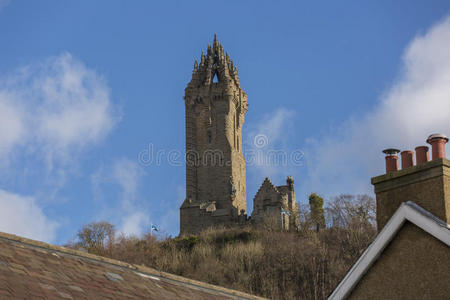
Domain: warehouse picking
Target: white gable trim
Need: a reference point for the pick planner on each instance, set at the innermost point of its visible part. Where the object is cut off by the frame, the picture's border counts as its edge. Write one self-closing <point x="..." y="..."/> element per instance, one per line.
<point x="408" y="211"/>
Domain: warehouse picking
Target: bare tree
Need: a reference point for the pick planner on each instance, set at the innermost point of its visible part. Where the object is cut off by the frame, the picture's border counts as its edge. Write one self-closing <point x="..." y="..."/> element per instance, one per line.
<point x="96" y="238"/>
<point x="260" y="260"/>
<point x="345" y="210"/>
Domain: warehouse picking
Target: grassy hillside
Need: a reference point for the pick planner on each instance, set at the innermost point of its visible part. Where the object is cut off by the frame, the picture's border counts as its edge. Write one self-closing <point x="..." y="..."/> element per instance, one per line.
<point x="281" y="265"/>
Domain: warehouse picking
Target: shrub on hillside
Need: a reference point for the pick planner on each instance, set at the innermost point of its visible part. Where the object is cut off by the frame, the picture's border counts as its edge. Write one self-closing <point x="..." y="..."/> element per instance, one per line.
<point x="307" y="264"/>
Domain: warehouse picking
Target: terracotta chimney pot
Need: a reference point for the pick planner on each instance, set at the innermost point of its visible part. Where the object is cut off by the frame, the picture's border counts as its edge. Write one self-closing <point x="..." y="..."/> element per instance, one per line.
<point x="391" y="160"/>
<point x="422" y="156"/>
<point x="407" y="159"/>
<point x="437" y="142"/>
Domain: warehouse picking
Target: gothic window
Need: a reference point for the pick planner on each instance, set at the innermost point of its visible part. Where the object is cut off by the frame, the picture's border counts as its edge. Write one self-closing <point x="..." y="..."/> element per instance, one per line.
<point x="215" y="78"/>
<point x="266" y="205"/>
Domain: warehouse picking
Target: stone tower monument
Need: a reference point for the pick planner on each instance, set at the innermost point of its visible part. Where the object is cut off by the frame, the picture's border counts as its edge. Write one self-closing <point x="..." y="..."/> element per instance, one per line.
<point x="215" y="106"/>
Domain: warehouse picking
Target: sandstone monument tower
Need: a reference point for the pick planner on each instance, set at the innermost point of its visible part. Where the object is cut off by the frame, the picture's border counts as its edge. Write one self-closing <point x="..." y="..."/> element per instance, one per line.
<point x="215" y="167"/>
<point x="215" y="107"/>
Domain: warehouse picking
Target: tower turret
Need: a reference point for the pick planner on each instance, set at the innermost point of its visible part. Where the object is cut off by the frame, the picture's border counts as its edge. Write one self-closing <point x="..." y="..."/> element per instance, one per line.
<point x="215" y="108"/>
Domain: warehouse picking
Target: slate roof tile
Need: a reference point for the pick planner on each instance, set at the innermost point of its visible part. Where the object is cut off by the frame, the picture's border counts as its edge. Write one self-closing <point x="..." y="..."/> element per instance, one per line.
<point x="35" y="270"/>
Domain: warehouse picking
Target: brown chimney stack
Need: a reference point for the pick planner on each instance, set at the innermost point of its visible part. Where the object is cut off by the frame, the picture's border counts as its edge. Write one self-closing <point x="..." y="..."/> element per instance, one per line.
<point x="437" y="142"/>
<point x="422" y="155"/>
<point x="391" y="160"/>
<point x="407" y="159"/>
<point x="427" y="184"/>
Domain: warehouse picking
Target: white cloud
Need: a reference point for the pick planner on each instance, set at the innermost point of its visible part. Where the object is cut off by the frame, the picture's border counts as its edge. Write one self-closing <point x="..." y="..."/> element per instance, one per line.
<point x="11" y="125"/>
<point x="135" y="223"/>
<point x="266" y="149"/>
<point x="416" y="105"/>
<point x="76" y="107"/>
<point x="22" y="216"/>
<point x="59" y="107"/>
<point x="127" y="174"/>
<point x="49" y="113"/>
<point x="127" y="211"/>
<point x="273" y="126"/>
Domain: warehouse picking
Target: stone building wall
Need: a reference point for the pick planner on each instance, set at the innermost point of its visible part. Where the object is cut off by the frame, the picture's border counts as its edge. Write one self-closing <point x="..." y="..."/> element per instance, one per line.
<point x="215" y="165"/>
<point x="275" y="206"/>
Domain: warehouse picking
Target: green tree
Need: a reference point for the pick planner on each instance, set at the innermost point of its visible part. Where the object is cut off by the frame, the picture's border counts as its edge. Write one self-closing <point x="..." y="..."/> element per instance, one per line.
<point x="317" y="212"/>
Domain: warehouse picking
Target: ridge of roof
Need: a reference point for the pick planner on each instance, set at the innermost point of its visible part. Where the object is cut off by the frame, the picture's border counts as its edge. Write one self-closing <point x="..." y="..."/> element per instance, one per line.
<point x="408" y="211"/>
<point x="427" y="214"/>
<point x="269" y="183"/>
<point x="139" y="269"/>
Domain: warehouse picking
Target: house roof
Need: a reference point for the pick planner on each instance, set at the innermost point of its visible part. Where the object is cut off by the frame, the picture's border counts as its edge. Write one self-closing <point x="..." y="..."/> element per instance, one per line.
<point x="408" y="211"/>
<point x="31" y="269"/>
<point x="267" y="184"/>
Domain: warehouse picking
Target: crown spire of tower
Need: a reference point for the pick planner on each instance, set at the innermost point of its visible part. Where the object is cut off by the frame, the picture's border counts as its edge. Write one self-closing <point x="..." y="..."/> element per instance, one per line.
<point x="217" y="47"/>
<point x="202" y="60"/>
<point x="215" y="62"/>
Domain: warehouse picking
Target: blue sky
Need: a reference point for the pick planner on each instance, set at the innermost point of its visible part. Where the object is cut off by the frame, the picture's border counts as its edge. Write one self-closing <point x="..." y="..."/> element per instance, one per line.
<point x="86" y="86"/>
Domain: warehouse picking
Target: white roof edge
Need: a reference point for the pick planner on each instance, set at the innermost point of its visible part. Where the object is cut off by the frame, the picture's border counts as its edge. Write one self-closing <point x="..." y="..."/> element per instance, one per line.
<point x="408" y="211"/>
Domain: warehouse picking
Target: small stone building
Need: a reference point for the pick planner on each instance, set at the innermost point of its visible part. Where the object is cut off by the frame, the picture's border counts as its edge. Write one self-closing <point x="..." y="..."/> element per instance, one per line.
<point x="410" y="257"/>
<point x="275" y="206"/>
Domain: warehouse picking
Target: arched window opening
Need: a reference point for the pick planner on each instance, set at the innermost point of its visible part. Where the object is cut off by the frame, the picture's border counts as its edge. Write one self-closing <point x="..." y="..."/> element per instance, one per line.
<point x="209" y="137"/>
<point x="215" y="78"/>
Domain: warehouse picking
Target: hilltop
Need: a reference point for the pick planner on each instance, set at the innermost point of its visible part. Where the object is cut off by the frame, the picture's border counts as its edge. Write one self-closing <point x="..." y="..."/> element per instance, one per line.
<point x="280" y="265"/>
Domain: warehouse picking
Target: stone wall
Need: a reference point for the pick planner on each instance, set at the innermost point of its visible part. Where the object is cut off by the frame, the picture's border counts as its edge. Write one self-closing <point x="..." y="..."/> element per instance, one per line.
<point x="215" y="165"/>
<point x="275" y="206"/>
